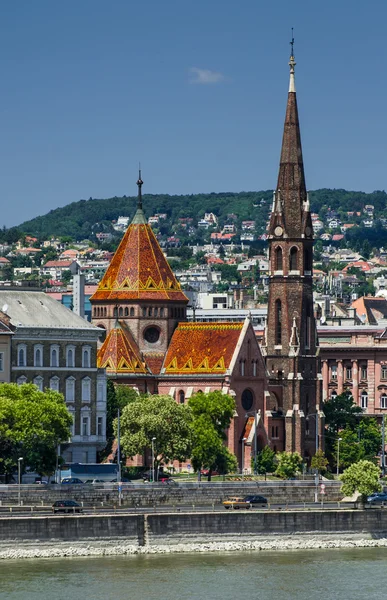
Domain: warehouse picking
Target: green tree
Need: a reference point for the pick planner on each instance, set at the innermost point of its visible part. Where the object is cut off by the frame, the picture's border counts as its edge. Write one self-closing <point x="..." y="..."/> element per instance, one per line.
<point x="32" y="424"/>
<point x="212" y="414"/>
<point x="319" y="462"/>
<point x="289" y="463"/>
<point x="117" y="397"/>
<point x="362" y="477"/>
<point x="363" y="442"/>
<point x="341" y="411"/>
<point x="67" y="276"/>
<point x="159" y="418"/>
<point x="265" y="462"/>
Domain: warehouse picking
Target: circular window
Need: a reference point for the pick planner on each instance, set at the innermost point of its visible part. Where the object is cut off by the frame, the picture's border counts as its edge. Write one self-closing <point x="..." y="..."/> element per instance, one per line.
<point x="247" y="399"/>
<point x="151" y="335"/>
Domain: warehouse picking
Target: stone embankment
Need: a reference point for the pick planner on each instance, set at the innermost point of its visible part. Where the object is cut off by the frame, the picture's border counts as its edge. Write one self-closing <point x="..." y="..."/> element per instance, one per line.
<point x="94" y="535"/>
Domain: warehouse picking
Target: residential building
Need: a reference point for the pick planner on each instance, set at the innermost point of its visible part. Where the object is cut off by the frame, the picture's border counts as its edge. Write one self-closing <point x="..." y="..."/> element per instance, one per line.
<point x="56" y="268"/>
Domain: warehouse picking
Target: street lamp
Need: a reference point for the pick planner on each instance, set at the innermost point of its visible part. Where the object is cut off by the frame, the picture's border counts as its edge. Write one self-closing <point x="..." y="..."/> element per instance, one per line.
<point x="19" y="461"/>
<point x="338" y="456"/>
<point x="243" y="456"/>
<point x="254" y="412"/>
<point x="153" y="459"/>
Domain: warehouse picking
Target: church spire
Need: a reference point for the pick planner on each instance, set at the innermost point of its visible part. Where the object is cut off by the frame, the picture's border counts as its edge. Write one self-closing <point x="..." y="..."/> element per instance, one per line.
<point x="292" y="64"/>
<point x="139" y="217"/>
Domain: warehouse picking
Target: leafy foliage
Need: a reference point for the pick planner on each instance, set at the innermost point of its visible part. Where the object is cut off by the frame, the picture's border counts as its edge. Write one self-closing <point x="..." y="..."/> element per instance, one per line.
<point x="340" y="412"/>
<point x="363" y="477"/>
<point x="158" y="417"/>
<point x="319" y="462"/>
<point x="289" y="463"/>
<point x="364" y="441"/>
<point x="117" y="397"/>
<point x="266" y="461"/>
<point x="32" y="424"/>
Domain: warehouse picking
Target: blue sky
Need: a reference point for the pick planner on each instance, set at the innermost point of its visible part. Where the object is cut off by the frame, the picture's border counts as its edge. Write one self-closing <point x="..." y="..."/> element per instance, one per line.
<point x="195" y="90"/>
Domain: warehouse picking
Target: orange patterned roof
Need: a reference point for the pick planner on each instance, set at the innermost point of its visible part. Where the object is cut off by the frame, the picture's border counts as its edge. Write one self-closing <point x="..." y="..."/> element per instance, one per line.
<point x="119" y="353"/>
<point x="202" y="348"/>
<point x="139" y="269"/>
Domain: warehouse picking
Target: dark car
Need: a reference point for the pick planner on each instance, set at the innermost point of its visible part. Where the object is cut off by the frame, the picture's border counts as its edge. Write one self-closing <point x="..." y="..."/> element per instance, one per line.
<point x="66" y="506"/>
<point x="70" y="480"/>
<point x="378" y="498"/>
<point x="256" y="500"/>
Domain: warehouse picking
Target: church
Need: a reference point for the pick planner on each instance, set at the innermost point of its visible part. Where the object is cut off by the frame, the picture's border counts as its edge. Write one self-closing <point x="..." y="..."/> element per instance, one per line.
<point x="150" y="345"/>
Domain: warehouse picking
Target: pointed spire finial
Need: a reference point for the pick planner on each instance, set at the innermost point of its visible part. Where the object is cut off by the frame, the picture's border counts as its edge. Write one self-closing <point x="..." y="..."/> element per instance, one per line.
<point x="139" y="183"/>
<point x="292" y="64"/>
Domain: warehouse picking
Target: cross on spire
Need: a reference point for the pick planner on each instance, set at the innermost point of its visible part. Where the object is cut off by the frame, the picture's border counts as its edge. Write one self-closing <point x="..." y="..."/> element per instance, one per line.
<point x="292" y="64"/>
<point x="139" y="183"/>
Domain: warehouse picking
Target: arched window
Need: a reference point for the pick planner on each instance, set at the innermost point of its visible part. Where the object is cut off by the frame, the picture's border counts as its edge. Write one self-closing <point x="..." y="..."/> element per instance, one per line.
<point x="278" y="323"/>
<point x="54" y="356"/>
<point x="242" y="367"/>
<point x="54" y="384"/>
<point x="155" y="311"/>
<point x="104" y="312"/>
<point x="21" y="356"/>
<point x="38" y="381"/>
<point x="120" y="312"/>
<point x="150" y="311"/>
<point x="364" y="399"/>
<point x="181" y="397"/>
<point x="278" y="259"/>
<point x="126" y="313"/>
<point x="161" y="312"/>
<point x="143" y="311"/>
<point x="293" y="266"/>
<point x="132" y="312"/>
<point x="38" y="356"/>
<point x="86" y="389"/>
<point x="333" y="394"/>
<point x="70" y="389"/>
<point x="21" y="380"/>
<point x="254" y="364"/>
<point x="70" y="357"/>
<point x="383" y="400"/>
<point x="86" y="357"/>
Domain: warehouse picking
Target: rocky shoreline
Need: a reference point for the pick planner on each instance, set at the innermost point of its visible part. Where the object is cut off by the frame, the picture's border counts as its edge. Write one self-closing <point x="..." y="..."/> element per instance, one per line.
<point x="117" y="548"/>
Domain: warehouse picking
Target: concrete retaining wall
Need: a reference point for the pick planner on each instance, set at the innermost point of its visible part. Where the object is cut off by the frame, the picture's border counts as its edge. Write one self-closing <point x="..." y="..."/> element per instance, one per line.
<point x="174" y="528"/>
<point x="188" y="494"/>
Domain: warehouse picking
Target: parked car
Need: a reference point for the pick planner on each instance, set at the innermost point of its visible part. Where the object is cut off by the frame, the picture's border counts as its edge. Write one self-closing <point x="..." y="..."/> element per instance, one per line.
<point x="70" y="480"/>
<point x="236" y="503"/>
<point x="256" y="500"/>
<point x="92" y="481"/>
<point x="378" y="498"/>
<point x="66" y="506"/>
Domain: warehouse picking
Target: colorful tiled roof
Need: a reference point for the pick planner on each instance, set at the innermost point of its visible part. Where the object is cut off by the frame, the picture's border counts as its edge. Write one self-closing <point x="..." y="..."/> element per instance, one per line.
<point x="139" y="269"/>
<point x="202" y="348"/>
<point x="119" y="353"/>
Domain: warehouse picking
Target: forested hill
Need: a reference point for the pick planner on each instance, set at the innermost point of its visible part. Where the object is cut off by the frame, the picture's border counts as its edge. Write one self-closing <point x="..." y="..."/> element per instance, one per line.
<point x="79" y="219"/>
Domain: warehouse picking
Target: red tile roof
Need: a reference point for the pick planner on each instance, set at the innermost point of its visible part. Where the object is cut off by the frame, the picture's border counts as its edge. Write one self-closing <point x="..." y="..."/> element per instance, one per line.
<point x="202" y="348"/>
<point x="139" y="270"/>
<point x="119" y="353"/>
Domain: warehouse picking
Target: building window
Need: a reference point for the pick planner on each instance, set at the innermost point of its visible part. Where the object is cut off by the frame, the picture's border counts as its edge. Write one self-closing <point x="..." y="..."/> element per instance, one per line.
<point x="364" y="371"/>
<point x="70" y="352"/>
<point x="38" y="381"/>
<point x="54" y="356"/>
<point x="278" y="259"/>
<point x="86" y="357"/>
<point x="348" y="372"/>
<point x="242" y="367"/>
<point x="21" y="380"/>
<point x="120" y="312"/>
<point x="100" y="426"/>
<point x="278" y="322"/>
<point x="54" y="384"/>
<point x="126" y="311"/>
<point x="383" y="401"/>
<point x="293" y="259"/>
<point x="254" y="368"/>
<point x="384" y="371"/>
<point x="334" y="372"/>
<point x="70" y="389"/>
<point x="100" y="392"/>
<point x="364" y="399"/>
<point x="85" y="426"/>
<point x="181" y="397"/>
<point x="1" y="361"/>
<point x="38" y="356"/>
<point x="86" y="389"/>
<point x="333" y="394"/>
<point x="132" y="312"/>
<point x="21" y="356"/>
<point x="161" y="312"/>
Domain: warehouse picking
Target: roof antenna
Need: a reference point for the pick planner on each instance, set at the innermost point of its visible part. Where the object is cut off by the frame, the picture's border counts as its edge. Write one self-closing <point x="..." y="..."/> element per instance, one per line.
<point x="139" y="183"/>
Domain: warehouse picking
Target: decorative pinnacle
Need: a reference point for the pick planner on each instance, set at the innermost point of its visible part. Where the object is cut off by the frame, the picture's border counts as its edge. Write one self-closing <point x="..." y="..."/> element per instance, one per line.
<point x="139" y="183"/>
<point x="292" y="64"/>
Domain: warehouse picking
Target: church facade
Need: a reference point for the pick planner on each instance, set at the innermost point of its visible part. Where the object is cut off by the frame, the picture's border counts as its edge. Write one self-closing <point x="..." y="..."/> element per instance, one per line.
<point x="150" y="345"/>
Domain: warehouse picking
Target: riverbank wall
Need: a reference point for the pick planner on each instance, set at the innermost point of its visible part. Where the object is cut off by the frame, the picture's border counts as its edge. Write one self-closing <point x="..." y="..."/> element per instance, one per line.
<point x="148" y="495"/>
<point x="170" y="529"/>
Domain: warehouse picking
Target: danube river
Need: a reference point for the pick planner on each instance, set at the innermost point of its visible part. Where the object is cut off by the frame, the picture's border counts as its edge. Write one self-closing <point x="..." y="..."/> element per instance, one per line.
<point x="294" y="575"/>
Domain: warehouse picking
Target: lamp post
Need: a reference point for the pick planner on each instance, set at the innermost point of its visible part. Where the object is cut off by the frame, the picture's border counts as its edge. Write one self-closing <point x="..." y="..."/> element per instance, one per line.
<point x="243" y="457"/>
<point x="153" y="459"/>
<point x="119" y="458"/>
<point x="19" y="461"/>
<point x="338" y="456"/>
<point x="254" y="412"/>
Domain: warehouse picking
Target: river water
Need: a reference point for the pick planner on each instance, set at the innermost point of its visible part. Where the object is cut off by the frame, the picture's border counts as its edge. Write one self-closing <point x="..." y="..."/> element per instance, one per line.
<point x="292" y="575"/>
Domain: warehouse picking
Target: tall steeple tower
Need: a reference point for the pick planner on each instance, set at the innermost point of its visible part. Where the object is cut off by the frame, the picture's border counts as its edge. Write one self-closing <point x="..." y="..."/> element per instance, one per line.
<point x="291" y="342"/>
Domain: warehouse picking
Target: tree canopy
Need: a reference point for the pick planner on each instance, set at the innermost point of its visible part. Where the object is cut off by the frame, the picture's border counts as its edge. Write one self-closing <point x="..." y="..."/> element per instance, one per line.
<point x="363" y="477"/>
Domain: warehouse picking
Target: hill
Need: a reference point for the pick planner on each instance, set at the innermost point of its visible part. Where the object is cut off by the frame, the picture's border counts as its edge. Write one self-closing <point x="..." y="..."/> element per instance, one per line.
<point x="80" y="219"/>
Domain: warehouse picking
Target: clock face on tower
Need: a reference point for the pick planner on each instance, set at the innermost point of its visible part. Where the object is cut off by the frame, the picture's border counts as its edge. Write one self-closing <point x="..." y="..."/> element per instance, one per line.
<point x="278" y="231"/>
<point x="152" y="335"/>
